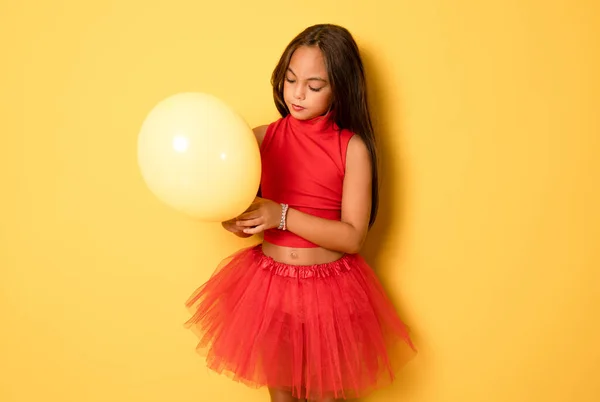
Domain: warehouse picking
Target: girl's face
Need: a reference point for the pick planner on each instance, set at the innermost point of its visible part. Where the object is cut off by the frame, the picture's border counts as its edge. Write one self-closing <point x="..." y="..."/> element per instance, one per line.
<point x="306" y="89"/>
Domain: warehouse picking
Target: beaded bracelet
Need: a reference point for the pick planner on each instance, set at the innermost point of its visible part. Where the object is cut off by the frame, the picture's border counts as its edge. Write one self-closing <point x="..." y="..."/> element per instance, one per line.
<point x="283" y="219"/>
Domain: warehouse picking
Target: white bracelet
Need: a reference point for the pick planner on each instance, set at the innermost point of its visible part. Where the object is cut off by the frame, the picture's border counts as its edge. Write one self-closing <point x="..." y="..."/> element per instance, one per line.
<point x="283" y="219"/>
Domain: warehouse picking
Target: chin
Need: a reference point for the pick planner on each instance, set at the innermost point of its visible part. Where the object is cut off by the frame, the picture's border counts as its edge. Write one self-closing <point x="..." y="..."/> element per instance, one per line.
<point x="303" y="115"/>
<point x="300" y="116"/>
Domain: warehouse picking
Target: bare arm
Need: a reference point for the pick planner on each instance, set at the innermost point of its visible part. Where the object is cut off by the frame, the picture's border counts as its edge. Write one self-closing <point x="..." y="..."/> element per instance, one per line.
<point x="347" y="235"/>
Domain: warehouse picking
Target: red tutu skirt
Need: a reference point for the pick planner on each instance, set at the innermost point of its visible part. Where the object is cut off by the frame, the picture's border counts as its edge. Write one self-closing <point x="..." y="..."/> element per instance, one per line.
<point x="318" y="331"/>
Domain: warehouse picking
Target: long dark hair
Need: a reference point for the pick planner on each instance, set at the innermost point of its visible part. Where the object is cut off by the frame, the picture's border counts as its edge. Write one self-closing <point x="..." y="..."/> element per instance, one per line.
<point x="347" y="79"/>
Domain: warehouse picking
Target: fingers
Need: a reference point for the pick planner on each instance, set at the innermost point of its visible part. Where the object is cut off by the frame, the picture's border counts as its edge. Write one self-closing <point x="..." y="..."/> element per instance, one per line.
<point x="254" y="230"/>
<point x="250" y="222"/>
<point x="229" y="225"/>
<point x="248" y="215"/>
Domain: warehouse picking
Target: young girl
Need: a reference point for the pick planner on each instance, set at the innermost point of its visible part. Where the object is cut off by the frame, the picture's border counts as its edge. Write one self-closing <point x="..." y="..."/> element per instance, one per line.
<point x="302" y="313"/>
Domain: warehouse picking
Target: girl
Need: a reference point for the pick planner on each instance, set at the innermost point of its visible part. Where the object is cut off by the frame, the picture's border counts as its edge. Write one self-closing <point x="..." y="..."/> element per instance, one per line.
<point x="302" y="313"/>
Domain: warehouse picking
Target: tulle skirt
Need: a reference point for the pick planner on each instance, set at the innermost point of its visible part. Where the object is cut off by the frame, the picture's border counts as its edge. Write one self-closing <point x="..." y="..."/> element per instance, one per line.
<point x="318" y="331"/>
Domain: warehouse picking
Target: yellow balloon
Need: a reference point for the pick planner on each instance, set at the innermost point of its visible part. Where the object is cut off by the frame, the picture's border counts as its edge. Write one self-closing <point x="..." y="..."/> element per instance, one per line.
<point x="199" y="157"/>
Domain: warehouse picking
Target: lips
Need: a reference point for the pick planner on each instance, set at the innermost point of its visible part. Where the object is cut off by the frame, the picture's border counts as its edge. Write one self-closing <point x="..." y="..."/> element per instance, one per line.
<point x="297" y="108"/>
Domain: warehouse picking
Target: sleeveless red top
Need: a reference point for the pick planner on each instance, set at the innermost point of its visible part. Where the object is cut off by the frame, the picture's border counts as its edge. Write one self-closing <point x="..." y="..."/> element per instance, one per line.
<point x="303" y="165"/>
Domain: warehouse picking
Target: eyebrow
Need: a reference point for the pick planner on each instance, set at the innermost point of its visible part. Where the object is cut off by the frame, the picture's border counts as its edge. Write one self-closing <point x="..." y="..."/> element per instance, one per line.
<point x="310" y="79"/>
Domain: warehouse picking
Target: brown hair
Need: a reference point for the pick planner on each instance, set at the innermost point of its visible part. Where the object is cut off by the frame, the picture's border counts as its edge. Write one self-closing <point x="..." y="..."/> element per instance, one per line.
<point x="347" y="79"/>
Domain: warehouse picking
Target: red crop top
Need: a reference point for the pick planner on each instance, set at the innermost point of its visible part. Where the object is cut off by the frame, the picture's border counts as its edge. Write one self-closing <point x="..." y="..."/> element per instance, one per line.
<point x="303" y="165"/>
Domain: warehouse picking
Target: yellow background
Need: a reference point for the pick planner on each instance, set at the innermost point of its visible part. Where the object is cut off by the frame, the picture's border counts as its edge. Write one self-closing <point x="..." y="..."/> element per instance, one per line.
<point x="488" y="239"/>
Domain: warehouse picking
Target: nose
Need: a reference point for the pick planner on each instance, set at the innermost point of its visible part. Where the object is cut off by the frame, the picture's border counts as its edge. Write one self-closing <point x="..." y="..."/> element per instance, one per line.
<point x="299" y="92"/>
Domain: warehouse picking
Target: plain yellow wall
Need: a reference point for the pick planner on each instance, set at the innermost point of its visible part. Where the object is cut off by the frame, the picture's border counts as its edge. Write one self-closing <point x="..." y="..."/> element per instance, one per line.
<point x="488" y="239"/>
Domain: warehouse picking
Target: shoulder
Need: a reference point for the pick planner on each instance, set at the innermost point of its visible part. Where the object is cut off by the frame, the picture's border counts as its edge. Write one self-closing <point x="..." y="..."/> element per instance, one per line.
<point x="357" y="153"/>
<point x="263" y="132"/>
<point x="354" y="148"/>
<point x="259" y="133"/>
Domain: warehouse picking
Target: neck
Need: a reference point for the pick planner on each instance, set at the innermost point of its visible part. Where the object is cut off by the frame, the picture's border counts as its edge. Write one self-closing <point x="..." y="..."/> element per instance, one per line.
<point x="318" y="123"/>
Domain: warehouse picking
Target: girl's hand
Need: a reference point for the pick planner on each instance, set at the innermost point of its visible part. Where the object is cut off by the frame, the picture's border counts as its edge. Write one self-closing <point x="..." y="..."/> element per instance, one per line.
<point x="263" y="214"/>
<point x="231" y="226"/>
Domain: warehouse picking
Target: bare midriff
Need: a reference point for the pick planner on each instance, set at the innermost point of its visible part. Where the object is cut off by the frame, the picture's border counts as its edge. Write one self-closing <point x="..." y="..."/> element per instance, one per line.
<point x="300" y="256"/>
